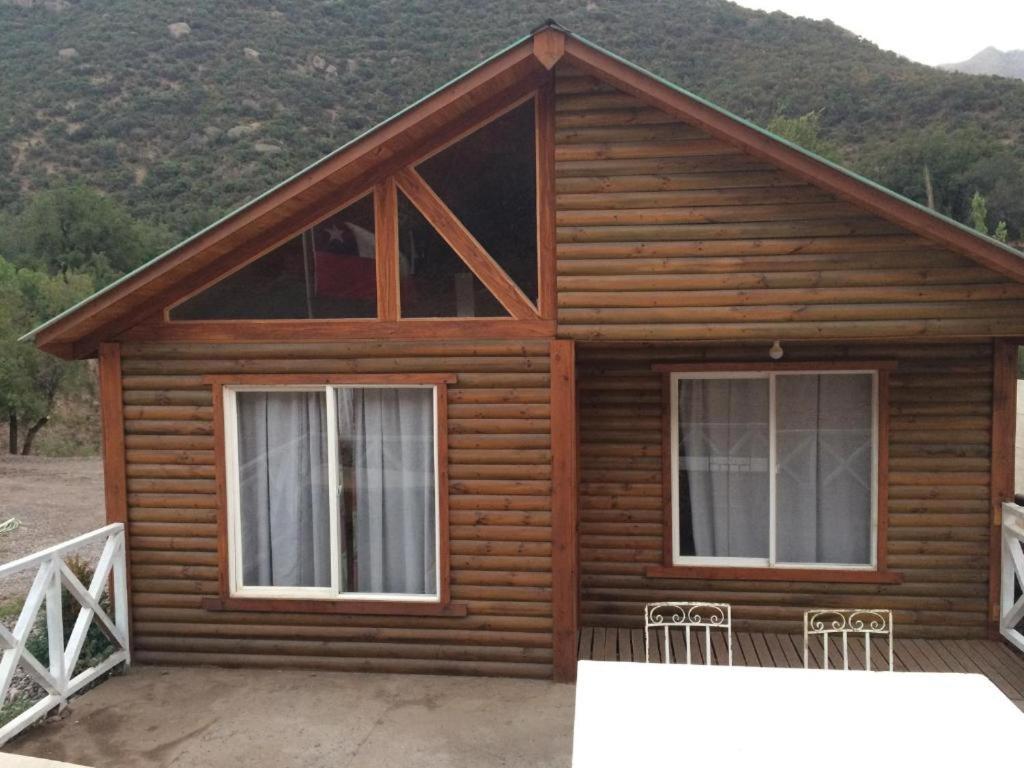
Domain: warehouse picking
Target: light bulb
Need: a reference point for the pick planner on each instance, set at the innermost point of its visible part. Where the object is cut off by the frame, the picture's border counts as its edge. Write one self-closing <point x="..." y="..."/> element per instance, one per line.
<point x="776" y="353"/>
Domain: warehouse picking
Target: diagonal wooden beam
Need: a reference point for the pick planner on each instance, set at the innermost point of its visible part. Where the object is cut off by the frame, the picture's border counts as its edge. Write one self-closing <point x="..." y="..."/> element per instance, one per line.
<point x="465" y="245"/>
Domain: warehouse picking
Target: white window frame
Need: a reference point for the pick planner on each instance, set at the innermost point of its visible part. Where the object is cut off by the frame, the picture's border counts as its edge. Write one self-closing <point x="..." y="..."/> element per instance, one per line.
<point x="232" y="483"/>
<point x="771" y="561"/>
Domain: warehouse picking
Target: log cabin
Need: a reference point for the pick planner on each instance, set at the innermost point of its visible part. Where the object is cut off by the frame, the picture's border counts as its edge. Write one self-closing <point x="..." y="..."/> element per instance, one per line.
<point x="557" y="340"/>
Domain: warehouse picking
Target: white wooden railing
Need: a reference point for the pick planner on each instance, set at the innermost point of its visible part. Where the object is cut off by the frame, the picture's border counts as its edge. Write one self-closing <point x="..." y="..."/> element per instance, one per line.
<point x="1011" y="602"/>
<point x="59" y="679"/>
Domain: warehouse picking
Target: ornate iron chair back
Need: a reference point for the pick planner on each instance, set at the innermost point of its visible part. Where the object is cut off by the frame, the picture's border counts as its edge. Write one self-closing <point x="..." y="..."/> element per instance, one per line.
<point x="690" y="618"/>
<point x="869" y="622"/>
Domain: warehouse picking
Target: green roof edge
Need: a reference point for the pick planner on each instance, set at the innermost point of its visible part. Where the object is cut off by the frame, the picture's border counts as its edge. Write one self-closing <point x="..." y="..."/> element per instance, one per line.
<point x="635" y="67"/>
<point x="245" y="206"/>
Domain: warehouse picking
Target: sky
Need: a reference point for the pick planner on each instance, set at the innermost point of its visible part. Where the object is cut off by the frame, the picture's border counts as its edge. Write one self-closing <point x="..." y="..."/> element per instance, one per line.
<point x="928" y="31"/>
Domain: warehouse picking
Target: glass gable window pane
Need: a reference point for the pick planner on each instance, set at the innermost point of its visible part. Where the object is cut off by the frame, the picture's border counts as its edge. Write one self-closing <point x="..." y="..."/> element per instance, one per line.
<point x="824" y="445"/>
<point x="489" y="180"/>
<point x="435" y="282"/>
<point x="283" y="489"/>
<point x="328" y="271"/>
<point x="387" y="490"/>
<point x="723" y="468"/>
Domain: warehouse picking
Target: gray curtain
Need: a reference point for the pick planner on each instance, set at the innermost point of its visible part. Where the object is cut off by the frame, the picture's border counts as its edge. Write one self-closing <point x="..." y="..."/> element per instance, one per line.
<point x="723" y="467"/>
<point x="386" y="443"/>
<point x="283" y="488"/>
<point x="824" y="450"/>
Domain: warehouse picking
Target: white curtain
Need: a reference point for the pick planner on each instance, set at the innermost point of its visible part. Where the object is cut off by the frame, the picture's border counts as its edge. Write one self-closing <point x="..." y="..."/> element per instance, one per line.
<point x="386" y="442"/>
<point x="723" y="467"/>
<point x="283" y="489"/>
<point x="824" y="448"/>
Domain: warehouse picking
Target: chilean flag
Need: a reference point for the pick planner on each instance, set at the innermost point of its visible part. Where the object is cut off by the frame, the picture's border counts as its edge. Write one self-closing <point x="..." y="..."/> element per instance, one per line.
<point x="343" y="258"/>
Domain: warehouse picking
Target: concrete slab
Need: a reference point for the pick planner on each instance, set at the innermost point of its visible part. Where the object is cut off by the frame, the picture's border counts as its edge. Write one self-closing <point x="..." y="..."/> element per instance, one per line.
<point x="155" y="717"/>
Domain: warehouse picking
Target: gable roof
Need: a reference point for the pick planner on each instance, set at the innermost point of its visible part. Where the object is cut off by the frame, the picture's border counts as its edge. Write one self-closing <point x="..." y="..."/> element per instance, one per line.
<point x="432" y="121"/>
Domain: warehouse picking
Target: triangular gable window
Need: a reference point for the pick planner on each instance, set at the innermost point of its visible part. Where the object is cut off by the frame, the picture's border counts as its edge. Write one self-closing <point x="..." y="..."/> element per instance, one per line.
<point x="464" y="239"/>
<point x="328" y="271"/>
<point x="434" y="281"/>
<point x="489" y="181"/>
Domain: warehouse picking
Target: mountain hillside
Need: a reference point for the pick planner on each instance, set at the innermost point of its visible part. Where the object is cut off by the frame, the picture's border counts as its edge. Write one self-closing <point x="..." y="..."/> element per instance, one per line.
<point x="183" y="109"/>
<point x="992" y="61"/>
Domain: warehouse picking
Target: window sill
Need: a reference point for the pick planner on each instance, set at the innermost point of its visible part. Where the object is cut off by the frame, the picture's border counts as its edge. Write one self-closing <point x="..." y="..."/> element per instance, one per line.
<point x="729" y="573"/>
<point x="352" y="607"/>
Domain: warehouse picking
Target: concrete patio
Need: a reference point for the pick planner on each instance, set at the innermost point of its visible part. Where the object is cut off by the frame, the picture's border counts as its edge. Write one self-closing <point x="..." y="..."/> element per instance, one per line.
<point x="155" y="717"/>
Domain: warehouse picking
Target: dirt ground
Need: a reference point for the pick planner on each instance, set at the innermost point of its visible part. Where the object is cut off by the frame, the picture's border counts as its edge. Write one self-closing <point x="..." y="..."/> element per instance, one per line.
<point x="53" y="500"/>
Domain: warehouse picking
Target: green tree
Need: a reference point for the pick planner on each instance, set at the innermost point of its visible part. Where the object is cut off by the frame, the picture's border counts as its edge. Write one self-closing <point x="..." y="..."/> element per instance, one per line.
<point x="979" y="218"/>
<point x="979" y="213"/>
<point x="804" y="131"/>
<point x="77" y="229"/>
<point x="1001" y="233"/>
<point x="32" y="381"/>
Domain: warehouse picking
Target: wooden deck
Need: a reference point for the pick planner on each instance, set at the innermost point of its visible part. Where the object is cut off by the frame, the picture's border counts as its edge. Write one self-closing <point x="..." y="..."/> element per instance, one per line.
<point x="1000" y="663"/>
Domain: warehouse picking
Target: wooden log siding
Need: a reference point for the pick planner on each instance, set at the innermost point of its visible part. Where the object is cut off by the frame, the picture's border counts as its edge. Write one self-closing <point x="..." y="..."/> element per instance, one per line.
<point x="499" y="512"/>
<point x="938" y="496"/>
<point x="665" y="233"/>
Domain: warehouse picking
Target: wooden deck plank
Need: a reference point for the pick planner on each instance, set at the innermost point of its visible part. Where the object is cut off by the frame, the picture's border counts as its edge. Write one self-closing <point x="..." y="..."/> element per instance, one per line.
<point x="953" y="660"/>
<point x="655" y="638"/>
<point x="933" y="662"/>
<point x="858" y="656"/>
<point x="1013" y="674"/>
<point x="637" y="636"/>
<point x="677" y="654"/>
<point x="1014" y="658"/>
<point x="746" y="645"/>
<point x="908" y="654"/>
<point x="989" y="666"/>
<point x="598" y="646"/>
<point x="720" y="648"/>
<point x="610" y="650"/>
<point x="586" y="644"/>
<point x="764" y="655"/>
<point x="982" y="666"/>
<point x="792" y="649"/>
<point x="626" y="652"/>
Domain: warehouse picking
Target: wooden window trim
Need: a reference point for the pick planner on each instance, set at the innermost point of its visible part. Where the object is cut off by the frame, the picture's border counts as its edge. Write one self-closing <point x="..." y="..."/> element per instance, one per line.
<point x="226" y="601"/>
<point x="544" y="131"/>
<point x="879" y="574"/>
<point x="228" y="331"/>
<point x="728" y="573"/>
<point x="349" y="607"/>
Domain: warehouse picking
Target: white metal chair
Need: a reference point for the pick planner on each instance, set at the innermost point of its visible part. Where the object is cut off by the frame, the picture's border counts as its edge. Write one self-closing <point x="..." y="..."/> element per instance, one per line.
<point x="869" y="622"/>
<point x="687" y="617"/>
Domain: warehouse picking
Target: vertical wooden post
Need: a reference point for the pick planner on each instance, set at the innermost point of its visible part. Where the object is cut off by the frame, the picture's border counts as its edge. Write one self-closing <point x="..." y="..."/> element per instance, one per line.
<point x="115" y="484"/>
<point x="564" y="556"/>
<point x="385" y="200"/>
<point x="1004" y="419"/>
<point x="546" y="229"/>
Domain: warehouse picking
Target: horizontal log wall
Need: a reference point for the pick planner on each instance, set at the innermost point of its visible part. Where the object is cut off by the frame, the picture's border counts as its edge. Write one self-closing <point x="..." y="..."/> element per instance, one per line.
<point x="666" y="233"/>
<point x="939" y="446"/>
<point x="499" y="510"/>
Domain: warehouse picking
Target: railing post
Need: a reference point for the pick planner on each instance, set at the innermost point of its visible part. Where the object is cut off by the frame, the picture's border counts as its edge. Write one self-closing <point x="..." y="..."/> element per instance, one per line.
<point x="55" y="628"/>
<point x="120" y="595"/>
